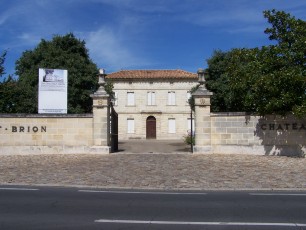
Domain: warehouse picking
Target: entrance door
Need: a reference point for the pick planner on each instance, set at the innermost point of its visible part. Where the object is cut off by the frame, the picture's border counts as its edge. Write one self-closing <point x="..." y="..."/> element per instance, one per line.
<point x="151" y="127"/>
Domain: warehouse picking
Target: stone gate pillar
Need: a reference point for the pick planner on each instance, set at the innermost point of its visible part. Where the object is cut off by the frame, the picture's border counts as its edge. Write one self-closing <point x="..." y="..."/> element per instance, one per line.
<point x="101" y="117"/>
<point x="202" y="117"/>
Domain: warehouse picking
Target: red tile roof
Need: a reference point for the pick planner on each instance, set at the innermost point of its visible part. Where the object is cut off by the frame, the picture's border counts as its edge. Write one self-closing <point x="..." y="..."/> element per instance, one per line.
<point x="152" y="74"/>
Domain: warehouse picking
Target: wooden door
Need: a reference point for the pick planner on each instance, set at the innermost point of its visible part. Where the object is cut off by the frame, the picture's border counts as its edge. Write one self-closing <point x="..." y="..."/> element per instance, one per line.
<point x="151" y="127"/>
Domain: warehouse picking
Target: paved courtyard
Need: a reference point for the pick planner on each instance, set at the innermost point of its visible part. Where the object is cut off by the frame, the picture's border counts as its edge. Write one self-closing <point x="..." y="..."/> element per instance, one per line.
<point x="155" y="171"/>
<point x="153" y="146"/>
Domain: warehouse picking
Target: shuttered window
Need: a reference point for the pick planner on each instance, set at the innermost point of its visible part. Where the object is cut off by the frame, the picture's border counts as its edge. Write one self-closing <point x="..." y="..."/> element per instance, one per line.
<point x="188" y="96"/>
<point x="171" y="98"/>
<point x="189" y="125"/>
<point x="151" y="98"/>
<point x="115" y="98"/>
<point x="130" y="125"/>
<point x="130" y="98"/>
<point x="171" y="125"/>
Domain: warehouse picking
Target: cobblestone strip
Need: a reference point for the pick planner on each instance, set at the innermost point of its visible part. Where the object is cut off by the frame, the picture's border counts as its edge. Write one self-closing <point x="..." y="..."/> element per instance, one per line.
<point x="158" y="171"/>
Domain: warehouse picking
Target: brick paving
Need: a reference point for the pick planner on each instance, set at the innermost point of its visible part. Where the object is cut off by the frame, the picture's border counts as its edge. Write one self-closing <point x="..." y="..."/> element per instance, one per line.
<point x="156" y="171"/>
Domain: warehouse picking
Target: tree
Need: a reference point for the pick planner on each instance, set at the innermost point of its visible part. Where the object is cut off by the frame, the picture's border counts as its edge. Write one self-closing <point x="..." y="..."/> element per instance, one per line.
<point x="289" y="60"/>
<point x="9" y="95"/>
<point x="266" y="80"/>
<point x="2" y="59"/>
<point x="62" y="52"/>
<point x="229" y="79"/>
<point x="217" y="81"/>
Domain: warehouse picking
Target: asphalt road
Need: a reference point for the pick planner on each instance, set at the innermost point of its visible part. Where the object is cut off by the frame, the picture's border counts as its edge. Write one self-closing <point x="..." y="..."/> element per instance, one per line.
<point x="80" y="208"/>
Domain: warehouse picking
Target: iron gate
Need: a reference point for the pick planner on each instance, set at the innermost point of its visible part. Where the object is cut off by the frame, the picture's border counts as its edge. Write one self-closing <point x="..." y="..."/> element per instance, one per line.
<point x="113" y="130"/>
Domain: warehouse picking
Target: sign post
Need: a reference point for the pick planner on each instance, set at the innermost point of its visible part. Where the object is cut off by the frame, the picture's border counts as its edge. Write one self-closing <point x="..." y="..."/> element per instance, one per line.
<point x="52" y="91"/>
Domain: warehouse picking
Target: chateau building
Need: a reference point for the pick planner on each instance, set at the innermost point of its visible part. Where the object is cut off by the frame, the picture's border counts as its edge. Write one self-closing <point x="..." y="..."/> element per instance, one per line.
<point x="152" y="104"/>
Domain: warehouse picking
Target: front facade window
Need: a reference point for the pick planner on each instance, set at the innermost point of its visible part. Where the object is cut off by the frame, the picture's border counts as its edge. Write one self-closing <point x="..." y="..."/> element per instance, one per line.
<point x="171" y="98"/>
<point x="115" y="98"/>
<point x="171" y="125"/>
<point x="130" y="125"/>
<point x="188" y="96"/>
<point x="130" y="98"/>
<point x="189" y="125"/>
<point x="151" y="98"/>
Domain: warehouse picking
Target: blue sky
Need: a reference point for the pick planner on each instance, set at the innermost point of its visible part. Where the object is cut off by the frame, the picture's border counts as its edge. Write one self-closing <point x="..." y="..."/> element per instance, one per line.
<point x="140" y="34"/>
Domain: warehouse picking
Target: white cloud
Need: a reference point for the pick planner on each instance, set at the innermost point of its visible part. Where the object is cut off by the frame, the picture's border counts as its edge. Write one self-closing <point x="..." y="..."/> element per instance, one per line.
<point x="3" y="18"/>
<point x="111" y="52"/>
<point x="29" y="39"/>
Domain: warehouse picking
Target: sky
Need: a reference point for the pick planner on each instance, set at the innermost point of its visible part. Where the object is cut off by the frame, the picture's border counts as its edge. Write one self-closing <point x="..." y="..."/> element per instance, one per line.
<point x="140" y="34"/>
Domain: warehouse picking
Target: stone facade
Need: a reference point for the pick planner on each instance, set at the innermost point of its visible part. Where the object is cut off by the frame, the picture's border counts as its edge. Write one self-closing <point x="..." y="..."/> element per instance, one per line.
<point x="158" y="106"/>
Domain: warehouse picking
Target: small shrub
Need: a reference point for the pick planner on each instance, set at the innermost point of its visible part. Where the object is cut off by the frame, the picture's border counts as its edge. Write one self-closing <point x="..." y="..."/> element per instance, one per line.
<point x="188" y="139"/>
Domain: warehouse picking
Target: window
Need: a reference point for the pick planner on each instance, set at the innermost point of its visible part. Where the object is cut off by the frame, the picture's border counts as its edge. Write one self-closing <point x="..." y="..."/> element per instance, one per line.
<point x="115" y="98"/>
<point x="130" y="98"/>
<point x="189" y="125"/>
<point x="151" y="98"/>
<point x="188" y="96"/>
<point x="171" y="125"/>
<point x="171" y="98"/>
<point x="130" y="125"/>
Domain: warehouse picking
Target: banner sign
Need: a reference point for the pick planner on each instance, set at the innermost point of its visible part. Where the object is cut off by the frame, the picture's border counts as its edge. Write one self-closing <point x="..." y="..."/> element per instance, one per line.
<point x="52" y="91"/>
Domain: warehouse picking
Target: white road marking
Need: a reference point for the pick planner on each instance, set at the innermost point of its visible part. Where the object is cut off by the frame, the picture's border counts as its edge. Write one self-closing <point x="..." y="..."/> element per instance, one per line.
<point x="199" y="223"/>
<point x="277" y="194"/>
<point x="152" y="193"/>
<point x="20" y="189"/>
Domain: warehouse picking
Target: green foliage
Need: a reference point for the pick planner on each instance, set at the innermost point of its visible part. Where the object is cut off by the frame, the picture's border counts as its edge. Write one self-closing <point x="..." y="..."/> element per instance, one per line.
<point x="109" y="86"/>
<point x="217" y="81"/>
<point x="2" y="59"/>
<point x="8" y="89"/>
<point x="266" y="80"/>
<point x="191" y="99"/>
<point x="9" y="95"/>
<point x="188" y="139"/>
<point x="62" y="52"/>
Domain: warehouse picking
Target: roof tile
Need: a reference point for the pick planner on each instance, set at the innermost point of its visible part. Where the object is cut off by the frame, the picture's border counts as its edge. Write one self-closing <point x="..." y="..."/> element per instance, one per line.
<point x="152" y="74"/>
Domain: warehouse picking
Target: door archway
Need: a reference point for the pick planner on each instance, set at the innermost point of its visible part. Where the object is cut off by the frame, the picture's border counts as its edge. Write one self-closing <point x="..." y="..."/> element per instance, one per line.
<point x="151" y="127"/>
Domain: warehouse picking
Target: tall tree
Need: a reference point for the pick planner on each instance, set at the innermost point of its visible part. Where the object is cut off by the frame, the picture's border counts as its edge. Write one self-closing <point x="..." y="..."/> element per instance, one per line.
<point x="217" y="81"/>
<point x="2" y="59"/>
<point x="62" y="52"/>
<point x="266" y="80"/>
<point x="287" y="61"/>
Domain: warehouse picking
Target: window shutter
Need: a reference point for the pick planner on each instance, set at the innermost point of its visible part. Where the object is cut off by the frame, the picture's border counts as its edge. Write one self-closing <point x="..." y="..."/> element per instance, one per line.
<point x="149" y="98"/>
<point x="171" y="124"/>
<point x="188" y="96"/>
<point x="131" y="98"/>
<point x="116" y="98"/>
<point x="189" y="125"/>
<point x="152" y="98"/>
<point x="130" y="126"/>
<point x="171" y="98"/>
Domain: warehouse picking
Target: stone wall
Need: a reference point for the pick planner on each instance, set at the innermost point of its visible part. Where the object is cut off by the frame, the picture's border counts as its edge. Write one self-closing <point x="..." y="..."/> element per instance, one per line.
<point x="23" y="133"/>
<point x="270" y="135"/>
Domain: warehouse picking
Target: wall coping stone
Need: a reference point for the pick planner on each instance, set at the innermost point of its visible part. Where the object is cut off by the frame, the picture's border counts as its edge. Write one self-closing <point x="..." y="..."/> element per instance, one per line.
<point x="26" y="115"/>
<point x="221" y="114"/>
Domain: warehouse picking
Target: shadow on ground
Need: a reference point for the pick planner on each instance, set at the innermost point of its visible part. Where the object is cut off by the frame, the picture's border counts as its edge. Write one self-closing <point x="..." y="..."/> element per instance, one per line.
<point x="153" y="146"/>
